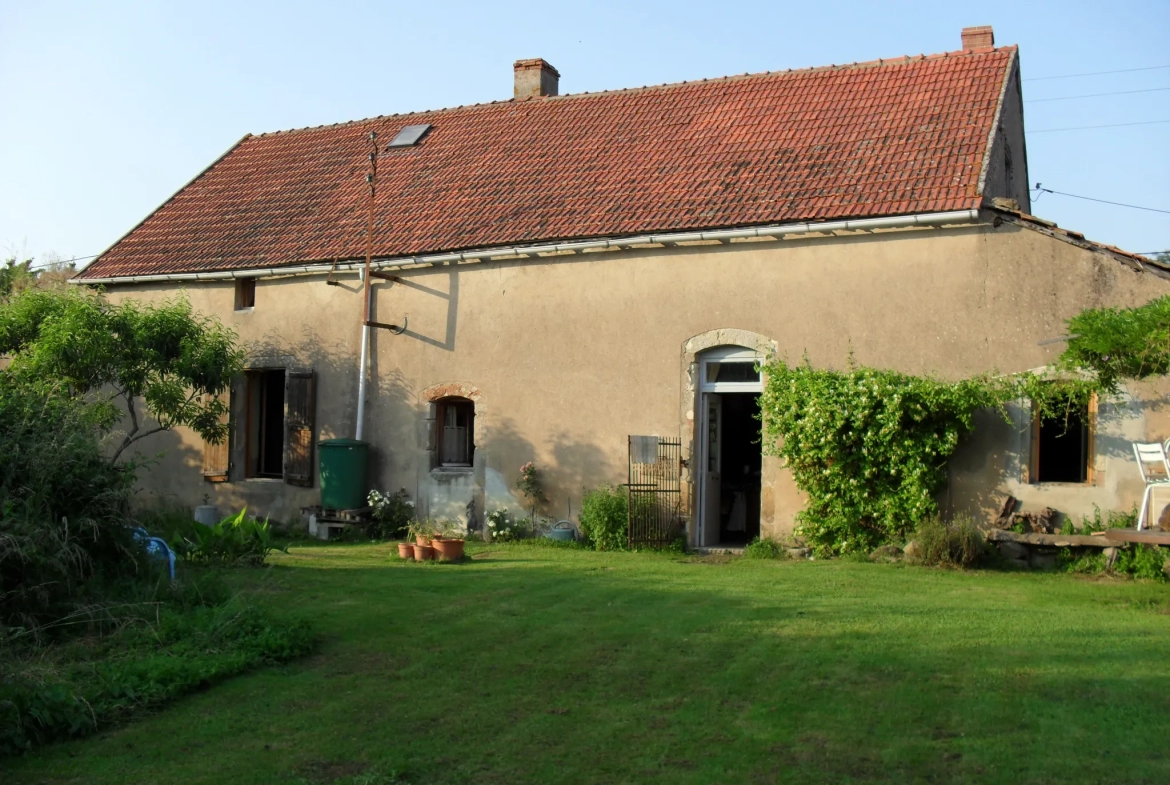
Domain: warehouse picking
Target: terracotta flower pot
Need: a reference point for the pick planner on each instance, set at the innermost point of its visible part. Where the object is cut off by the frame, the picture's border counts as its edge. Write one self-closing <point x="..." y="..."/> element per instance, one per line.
<point x="449" y="550"/>
<point x="423" y="553"/>
<point x="421" y="540"/>
<point x="405" y="550"/>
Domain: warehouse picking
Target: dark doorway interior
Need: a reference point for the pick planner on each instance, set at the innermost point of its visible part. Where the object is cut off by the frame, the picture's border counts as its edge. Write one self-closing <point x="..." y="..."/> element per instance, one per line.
<point x="265" y="443"/>
<point x="739" y="509"/>
<point x="1063" y="446"/>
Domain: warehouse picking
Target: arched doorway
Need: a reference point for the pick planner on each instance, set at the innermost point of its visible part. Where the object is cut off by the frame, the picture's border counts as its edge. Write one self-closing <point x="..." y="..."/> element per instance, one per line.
<point x="728" y="472"/>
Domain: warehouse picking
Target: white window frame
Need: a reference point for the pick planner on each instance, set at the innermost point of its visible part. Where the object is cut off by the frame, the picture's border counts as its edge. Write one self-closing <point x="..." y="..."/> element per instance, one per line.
<point x="730" y="354"/>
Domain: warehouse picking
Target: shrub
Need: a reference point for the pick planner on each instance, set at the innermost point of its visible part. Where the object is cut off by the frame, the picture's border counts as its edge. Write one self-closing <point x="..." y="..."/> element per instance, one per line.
<point x="392" y="514"/>
<point x="604" y="517"/>
<point x="62" y="506"/>
<point x="764" y="548"/>
<point x="503" y="527"/>
<point x="959" y="543"/>
<point x="236" y="540"/>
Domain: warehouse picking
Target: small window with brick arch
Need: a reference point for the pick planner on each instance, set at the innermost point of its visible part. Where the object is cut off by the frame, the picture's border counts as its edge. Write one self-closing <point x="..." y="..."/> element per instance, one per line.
<point x="455" y="432"/>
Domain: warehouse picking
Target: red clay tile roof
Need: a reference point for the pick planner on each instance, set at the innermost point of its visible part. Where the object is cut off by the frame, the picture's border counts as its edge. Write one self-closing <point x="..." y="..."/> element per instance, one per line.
<point x="886" y="138"/>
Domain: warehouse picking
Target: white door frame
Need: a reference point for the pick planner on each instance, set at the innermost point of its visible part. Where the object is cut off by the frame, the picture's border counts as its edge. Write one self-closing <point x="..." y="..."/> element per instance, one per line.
<point x="708" y="384"/>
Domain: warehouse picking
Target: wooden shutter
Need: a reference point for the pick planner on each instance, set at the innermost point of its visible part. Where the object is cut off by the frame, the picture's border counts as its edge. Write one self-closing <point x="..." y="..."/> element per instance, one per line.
<point x="298" y="427"/>
<point x="457" y="429"/>
<point x="217" y="457"/>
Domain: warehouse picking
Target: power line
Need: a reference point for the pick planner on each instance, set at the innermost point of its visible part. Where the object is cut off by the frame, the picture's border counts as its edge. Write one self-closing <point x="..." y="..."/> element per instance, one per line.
<point x="1095" y="95"/>
<point x="1102" y="201"/>
<point x="1096" y="73"/>
<point x="1086" y="127"/>
<point x="37" y="265"/>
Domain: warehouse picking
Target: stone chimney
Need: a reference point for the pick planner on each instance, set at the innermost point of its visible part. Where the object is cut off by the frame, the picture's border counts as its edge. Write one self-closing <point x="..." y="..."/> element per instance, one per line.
<point x="977" y="37"/>
<point x="535" y="78"/>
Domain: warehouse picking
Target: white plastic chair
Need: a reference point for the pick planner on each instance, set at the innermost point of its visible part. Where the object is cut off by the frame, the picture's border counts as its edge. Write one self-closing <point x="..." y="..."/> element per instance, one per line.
<point x="1150" y="455"/>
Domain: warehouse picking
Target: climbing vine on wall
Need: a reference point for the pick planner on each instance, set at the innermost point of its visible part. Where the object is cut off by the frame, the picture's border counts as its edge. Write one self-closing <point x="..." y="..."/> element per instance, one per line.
<point x="868" y="446"/>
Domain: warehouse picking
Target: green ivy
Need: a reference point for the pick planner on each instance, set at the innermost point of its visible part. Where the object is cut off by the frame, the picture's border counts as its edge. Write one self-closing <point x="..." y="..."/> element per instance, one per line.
<point x="868" y="446"/>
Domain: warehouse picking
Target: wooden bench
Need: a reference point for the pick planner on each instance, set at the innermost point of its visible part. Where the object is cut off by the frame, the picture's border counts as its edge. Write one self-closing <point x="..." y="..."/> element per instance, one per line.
<point x="1147" y="536"/>
<point x="1051" y="540"/>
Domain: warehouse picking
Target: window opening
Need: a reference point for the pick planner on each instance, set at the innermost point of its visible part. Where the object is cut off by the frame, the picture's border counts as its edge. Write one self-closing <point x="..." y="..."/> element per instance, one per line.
<point x="737" y="371"/>
<point x="456" y="437"/>
<point x="245" y="293"/>
<point x="265" y="438"/>
<point x="1062" y="445"/>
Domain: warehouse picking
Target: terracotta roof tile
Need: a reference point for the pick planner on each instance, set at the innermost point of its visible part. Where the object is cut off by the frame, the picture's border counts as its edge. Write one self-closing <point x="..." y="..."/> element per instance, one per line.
<point x="885" y="138"/>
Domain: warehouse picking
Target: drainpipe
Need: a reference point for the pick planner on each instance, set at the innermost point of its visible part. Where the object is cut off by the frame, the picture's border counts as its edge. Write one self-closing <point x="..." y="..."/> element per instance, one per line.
<point x="363" y="362"/>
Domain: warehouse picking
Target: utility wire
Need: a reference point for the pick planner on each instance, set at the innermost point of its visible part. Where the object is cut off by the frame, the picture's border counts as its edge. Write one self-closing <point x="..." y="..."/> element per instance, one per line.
<point x="1096" y="73"/>
<point x="1102" y="201"/>
<point x="38" y="265"/>
<point x="1085" y="127"/>
<point x="1095" y="95"/>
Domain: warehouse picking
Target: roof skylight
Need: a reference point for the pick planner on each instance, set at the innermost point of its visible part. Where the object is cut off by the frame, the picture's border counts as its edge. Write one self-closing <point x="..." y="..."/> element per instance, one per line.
<point x="409" y="136"/>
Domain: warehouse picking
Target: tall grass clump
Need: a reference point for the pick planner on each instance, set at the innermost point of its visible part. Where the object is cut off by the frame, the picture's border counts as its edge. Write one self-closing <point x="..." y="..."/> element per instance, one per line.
<point x="958" y="543"/>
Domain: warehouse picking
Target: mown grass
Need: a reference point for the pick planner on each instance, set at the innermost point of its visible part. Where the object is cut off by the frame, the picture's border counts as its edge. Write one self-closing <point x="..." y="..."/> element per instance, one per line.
<point x="557" y="665"/>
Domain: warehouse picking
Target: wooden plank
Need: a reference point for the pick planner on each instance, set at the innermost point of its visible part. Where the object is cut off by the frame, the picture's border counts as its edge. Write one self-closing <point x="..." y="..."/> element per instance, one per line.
<point x="1148" y="536"/>
<point x="1051" y="540"/>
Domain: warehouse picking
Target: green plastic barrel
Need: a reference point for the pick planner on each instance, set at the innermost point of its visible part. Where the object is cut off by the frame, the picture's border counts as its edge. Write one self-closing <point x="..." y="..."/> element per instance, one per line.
<point x="343" y="473"/>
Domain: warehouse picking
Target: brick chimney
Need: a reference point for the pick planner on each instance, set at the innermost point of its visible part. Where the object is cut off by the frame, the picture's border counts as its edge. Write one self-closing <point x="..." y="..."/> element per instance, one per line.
<point x="978" y="37"/>
<point x="535" y="78"/>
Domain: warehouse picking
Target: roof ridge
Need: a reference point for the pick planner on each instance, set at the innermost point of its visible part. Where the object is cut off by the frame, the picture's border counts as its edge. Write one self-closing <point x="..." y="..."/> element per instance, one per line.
<point x="880" y="62"/>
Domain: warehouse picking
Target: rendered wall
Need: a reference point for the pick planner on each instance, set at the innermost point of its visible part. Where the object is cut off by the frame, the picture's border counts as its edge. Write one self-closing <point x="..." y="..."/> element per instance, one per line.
<point x="570" y="354"/>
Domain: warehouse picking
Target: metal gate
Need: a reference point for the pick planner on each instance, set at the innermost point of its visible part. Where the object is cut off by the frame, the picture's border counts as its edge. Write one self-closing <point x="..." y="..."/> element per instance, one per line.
<point x="655" y="486"/>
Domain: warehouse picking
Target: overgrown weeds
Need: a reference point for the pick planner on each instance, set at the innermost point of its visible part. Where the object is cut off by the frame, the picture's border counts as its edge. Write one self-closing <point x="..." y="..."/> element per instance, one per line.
<point x="185" y="639"/>
<point x="764" y="548"/>
<point x="957" y="543"/>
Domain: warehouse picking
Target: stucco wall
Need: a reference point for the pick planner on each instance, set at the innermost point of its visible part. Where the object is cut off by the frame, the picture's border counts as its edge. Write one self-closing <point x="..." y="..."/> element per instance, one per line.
<point x="570" y="354"/>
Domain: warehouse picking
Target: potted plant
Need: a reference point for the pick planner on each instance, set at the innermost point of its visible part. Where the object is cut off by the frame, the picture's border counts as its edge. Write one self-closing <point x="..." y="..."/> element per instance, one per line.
<point x="405" y="550"/>
<point x="420" y="531"/>
<point x="449" y="547"/>
<point x="423" y="552"/>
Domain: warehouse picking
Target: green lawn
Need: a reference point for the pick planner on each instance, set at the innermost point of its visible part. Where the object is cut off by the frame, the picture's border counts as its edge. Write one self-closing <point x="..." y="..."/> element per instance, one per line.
<point x="547" y="665"/>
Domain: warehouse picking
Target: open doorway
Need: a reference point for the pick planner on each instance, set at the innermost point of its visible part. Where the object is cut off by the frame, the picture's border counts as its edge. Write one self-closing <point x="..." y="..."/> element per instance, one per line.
<point x="742" y="458"/>
<point x="264" y="440"/>
<point x="730" y="448"/>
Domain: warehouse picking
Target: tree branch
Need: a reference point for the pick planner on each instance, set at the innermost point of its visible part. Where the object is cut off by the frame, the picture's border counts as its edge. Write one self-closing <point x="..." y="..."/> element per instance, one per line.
<point x="129" y="434"/>
<point x="139" y="437"/>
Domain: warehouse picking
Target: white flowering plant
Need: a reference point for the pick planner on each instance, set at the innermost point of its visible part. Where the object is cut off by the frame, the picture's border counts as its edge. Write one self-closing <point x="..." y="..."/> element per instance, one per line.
<point x="502" y="527"/>
<point x="390" y="514"/>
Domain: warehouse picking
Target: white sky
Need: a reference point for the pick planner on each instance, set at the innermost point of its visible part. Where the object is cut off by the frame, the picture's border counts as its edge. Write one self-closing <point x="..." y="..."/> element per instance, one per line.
<point x="108" y="108"/>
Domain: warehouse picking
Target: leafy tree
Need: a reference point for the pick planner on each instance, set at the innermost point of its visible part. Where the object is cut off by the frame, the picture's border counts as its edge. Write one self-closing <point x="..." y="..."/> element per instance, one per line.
<point x="172" y="359"/>
<point x="1120" y="343"/>
<point x="14" y="275"/>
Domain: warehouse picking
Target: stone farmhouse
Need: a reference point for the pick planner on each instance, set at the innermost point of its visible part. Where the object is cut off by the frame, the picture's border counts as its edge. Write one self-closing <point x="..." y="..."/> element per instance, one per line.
<point x="588" y="281"/>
